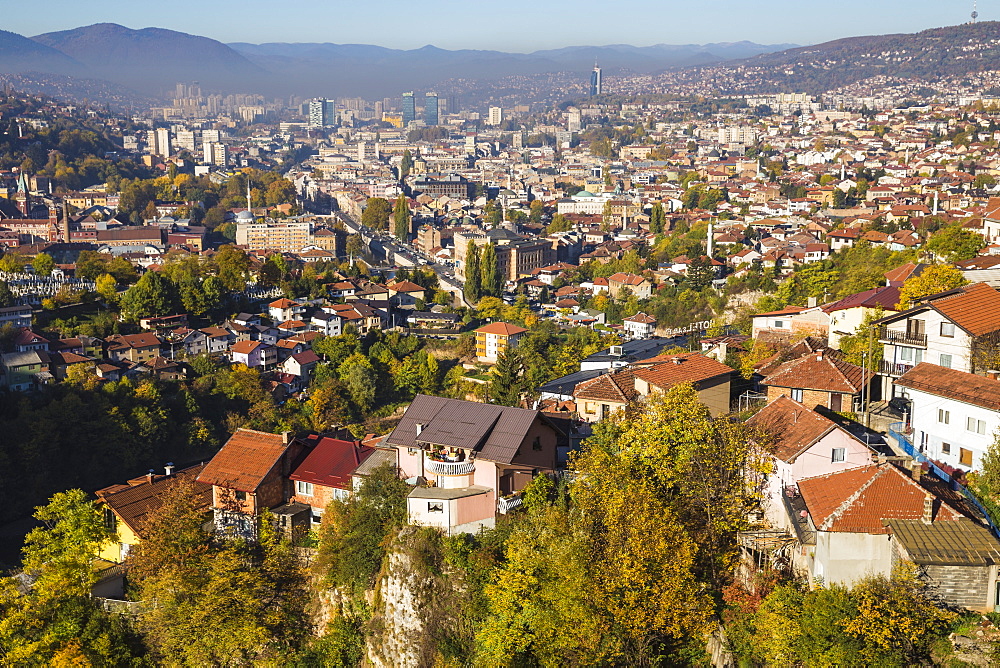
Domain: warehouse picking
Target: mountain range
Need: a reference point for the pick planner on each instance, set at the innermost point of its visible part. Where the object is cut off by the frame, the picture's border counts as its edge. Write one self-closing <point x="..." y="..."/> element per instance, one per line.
<point x="152" y="60"/>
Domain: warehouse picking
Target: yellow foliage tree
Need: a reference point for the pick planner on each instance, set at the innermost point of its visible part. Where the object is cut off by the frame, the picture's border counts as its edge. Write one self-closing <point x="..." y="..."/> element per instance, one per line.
<point x="934" y="279"/>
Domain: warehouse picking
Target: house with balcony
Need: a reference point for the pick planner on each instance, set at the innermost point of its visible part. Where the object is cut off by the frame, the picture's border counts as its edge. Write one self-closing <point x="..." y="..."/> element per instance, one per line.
<point x="847" y="314"/>
<point x="477" y="457"/>
<point x="284" y="309"/>
<point x="639" y="326"/>
<point x="945" y="329"/>
<point x="250" y="474"/>
<point x="494" y="339"/>
<point x="254" y="354"/>
<point x="953" y="416"/>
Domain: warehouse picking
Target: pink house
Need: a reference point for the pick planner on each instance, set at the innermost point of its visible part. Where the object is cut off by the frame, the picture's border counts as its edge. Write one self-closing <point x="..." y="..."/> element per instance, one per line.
<point x="804" y="444"/>
<point x="478" y="457"/>
<point x="254" y="354"/>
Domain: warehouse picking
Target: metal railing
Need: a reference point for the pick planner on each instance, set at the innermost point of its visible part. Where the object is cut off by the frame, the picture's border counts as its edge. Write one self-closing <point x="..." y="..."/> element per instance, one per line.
<point x="505" y="505"/>
<point x="895" y="337"/>
<point x="798" y="514"/>
<point x="894" y="369"/>
<point x="898" y="431"/>
<point x="451" y="468"/>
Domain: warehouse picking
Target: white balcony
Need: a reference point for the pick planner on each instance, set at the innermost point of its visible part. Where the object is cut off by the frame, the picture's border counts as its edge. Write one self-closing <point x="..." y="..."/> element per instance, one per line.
<point x="505" y="505"/>
<point x="450" y="468"/>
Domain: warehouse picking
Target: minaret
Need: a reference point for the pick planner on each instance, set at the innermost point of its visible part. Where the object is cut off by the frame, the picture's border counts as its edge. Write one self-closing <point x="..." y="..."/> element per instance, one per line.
<point x="249" y="206"/>
<point x="65" y="222"/>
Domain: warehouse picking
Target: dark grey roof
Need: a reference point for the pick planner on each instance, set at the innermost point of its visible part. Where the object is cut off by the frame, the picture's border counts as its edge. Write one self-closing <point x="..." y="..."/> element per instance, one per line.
<point x="947" y="543"/>
<point x="494" y="432"/>
<point x="567" y="383"/>
<point x="633" y="351"/>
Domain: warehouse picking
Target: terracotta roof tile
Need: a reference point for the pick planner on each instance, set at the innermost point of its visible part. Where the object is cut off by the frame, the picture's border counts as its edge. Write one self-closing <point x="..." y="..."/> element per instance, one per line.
<point x="501" y="328"/>
<point x="823" y="370"/>
<point x="976" y="309"/>
<point x="859" y="500"/>
<point x="244" y="461"/>
<point x="133" y="503"/>
<point x="677" y="369"/>
<point x="792" y="427"/>
<point x="954" y="384"/>
<point x="331" y="462"/>
<point x="617" y="387"/>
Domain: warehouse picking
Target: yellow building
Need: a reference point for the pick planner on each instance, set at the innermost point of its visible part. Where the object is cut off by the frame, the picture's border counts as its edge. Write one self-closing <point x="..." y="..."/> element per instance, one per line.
<point x="127" y="507"/>
<point x="495" y="338"/>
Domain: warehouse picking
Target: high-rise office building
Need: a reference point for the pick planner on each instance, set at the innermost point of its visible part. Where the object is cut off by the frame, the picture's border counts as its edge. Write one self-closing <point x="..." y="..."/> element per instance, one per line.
<point x="496" y="116"/>
<point x="329" y="113"/>
<point x="322" y="113"/>
<point x="409" y="109"/>
<point x="596" y="84"/>
<point x="431" y="109"/>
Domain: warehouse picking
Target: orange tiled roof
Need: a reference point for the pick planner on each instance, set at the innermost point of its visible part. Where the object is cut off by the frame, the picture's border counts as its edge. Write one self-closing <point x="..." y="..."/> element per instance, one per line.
<point x="858" y="500"/>
<point x="791" y="426"/>
<point x="617" y="387"/>
<point x="976" y="309"/>
<point x="954" y="384"/>
<point x="823" y="371"/>
<point x="244" y="461"/>
<point x="501" y="328"/>
<point x="676" y="369"/>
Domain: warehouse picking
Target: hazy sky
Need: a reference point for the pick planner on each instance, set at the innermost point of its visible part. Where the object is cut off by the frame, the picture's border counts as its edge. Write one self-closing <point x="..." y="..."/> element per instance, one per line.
<point x="509" y="25"/>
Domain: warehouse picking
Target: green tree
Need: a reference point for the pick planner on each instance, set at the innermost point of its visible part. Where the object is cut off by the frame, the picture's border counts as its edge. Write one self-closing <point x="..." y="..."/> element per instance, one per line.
<point x="107" y="288"/>
<point x="491" y="281"/>
<point x="473" y="277"/>
<point x="12" y="263"/>
<point x="401" y="219"/>
<point x="153" y="295"/>
<point x="535" y="211"/>
<point x="508" y="379"/>
<point x="6" y="296"/>
<point x="43" y="264"/>
<point x="406" y="164"/>
<point x="657" y="219"/>
<point x="956" y="243"/>
<point x="559" y="224"/>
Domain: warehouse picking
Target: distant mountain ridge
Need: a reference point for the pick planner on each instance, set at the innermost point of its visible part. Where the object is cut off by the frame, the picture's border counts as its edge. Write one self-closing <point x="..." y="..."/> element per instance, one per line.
<point x="929" y="54"/>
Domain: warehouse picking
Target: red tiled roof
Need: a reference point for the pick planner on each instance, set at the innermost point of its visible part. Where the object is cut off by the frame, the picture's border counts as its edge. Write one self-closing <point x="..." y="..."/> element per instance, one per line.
<point x="976" y="309"/>
<point x="618" y="387"/>
<point x="501" y="328"/>
<point x="641" y="317"/>
<point x="331" y="462"/>
<point x="954" y="384"/>
<point x="886" y="296"/>
<point x="283" y="303"/>
<point x="791" y="426"/>
<point x="246" y="347"/>
<point x="134" y="502"/>
<point x="676" y="369"/>
<point x="858" y="500"/>
<point x="823" y="371"/>
<point x="244" y="461"/>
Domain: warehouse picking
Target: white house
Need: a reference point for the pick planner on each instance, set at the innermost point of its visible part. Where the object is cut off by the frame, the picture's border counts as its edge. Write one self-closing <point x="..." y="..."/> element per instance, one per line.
<point x="639" y="326"/>
<point x="954" y="415"/>
<point x="939" y="330"/>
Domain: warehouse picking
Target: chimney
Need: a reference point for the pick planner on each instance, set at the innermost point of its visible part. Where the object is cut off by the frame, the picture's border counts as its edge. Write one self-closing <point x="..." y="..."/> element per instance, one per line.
<point x="169" y="469"/>
<point x="420" y="428"/>
<point x="993" y="375"/>
<point x="811" y="302"/>
<point x="150" y="476"/>
<point x="928" y="509"/>
<point x="286" y="437"/>
<point x="819" y="355"/>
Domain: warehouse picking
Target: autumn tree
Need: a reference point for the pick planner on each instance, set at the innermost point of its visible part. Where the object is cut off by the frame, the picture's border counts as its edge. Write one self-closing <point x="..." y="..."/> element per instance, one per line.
<point x="376" y="213"/>
<point x="934" y="279"/>
<point x="559" y="224"/>
<point x="954" y="243"/>
<point x="43" y="264"/>
<point x="56" y="621"/>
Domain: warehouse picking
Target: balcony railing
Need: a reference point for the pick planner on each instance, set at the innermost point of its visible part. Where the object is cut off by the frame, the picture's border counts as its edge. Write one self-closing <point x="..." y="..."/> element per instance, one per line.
<point x="505" y="505"/>
<point x="451" y="468"/>
<point x="898" y="338"/>
<point x="893" y="369"/>
<point x="799" y="516"/>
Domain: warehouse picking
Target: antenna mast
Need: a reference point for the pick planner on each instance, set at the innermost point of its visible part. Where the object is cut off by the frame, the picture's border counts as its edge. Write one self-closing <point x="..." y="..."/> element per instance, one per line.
<point x="975" y="12"/>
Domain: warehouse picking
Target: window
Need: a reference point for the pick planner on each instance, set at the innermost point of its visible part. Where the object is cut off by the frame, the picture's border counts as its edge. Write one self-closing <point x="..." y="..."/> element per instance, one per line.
<point x="435" y="507"/>
<point x="839" y="455"/>
<point x="976" y="426"/>
<point x="946" y="448"/>
<point x="948" y="329"/>
<point x="944" y="360"/>
<point x="241" y="496"/>
<point x="303" y="488"/>
<point x="796" y="395"/>
<point x="965" y="457"/>
<point x="779" y="324"/>
<point x="537" y="443"/>
<point x="905" y="354"/>
<point x="944" y="417"/>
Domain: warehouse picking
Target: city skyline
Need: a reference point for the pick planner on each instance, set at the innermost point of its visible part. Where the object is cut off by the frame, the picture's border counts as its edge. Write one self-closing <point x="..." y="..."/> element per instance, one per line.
<point x="518" y="29"/>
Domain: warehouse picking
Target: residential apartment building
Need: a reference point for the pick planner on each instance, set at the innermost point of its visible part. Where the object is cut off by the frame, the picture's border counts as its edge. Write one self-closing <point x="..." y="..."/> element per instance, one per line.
<point x="496" y="338"/>
<point x="288" y="236"/>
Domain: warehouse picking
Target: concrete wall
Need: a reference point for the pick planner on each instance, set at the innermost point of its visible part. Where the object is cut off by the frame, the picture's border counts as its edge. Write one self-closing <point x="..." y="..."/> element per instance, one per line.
<point x="845" y="558"/>
<point x="968" y="586"/>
